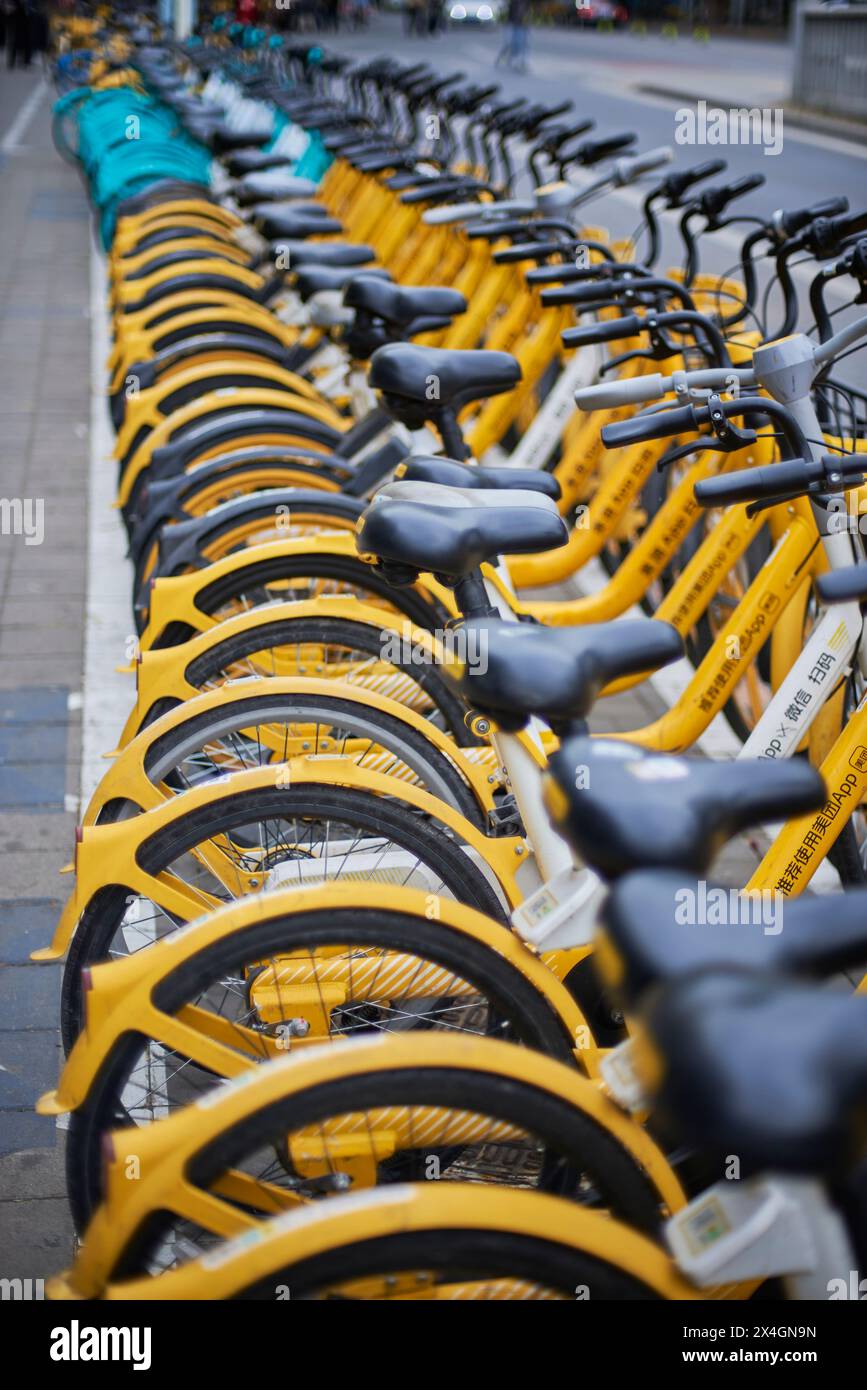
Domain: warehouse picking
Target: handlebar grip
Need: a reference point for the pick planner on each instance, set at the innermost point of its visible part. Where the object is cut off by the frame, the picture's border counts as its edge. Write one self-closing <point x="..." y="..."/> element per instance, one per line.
<point x="632" y="167"/>
<point x="752" y="484"/>
<point x="715" y="200"/>
<point x="677" y="184"/>
<point x="608" y="395"/>
<point x="663" y="425"/>
<point x="792" y="221"/>
<point x="525" y="250"/>
<point x="843" y="586"/>
<point x="605" y="287"/>
<point x="605" y="331"/>
<point x="592" y="151"/>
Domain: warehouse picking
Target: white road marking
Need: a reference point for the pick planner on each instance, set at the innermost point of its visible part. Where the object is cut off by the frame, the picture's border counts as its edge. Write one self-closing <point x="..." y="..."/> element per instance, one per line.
<point x="11" y="141"/>
<point x="106" y="694"/>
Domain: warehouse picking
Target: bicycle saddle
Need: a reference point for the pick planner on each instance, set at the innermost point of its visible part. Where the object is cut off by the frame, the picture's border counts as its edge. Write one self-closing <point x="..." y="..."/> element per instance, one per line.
<point x="424" y="468"/>
<point x="274" y="183"/>
<point x="331" y="253"/>
<point x="427" y="528"/>
<point x="406" y="373"/>
<point x="660" y="927"/>
<point x="251" y="161"/>
<point x="314" y="279"/>
<point x="631" y="809"/>
<point x="554" y="672"/>
<point x="297" y="225"/>
<point x="397" y="305"/>
<point x="773" y="1071"/>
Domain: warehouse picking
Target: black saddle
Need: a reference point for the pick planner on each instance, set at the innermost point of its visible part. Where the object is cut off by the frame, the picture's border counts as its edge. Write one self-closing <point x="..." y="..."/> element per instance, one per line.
<point x="418" y="383"/>
<point x="556" y="673"/>
<point x="274" y="183"/>
<point x="423" y="537"/>
<point x="773" y="1071"/>
<point x="315" y="279"/>
<point x="424" y="468"/>
<point x="331" y="253"/>
<point x="630" y="809"/>
<point x="224" y="138"/>
<point x="662" y="927"/>
<point x="297" y="225"/>
<point x="399" y="306"/>
<point x="252" y="161"/>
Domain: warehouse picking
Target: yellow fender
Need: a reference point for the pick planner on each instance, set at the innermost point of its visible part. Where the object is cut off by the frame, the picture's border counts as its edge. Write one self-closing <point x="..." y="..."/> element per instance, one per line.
<point x="126" y="778"/>
<point x="165" y="1150"/>
<point x="173" y="599"/>
<point x="139" y="344"/>
<point x="108" y="854"/>
<point x="144" y="412"/>
<point x="121" y="268"/>
<point x="161" y="672"/>
<point x="123" y="991"/>
<point x="302" y="1235"/>
<point x="237" y="397"/>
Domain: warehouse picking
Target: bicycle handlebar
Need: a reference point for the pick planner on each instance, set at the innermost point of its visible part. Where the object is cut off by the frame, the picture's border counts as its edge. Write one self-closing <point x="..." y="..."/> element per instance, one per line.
<point x="676" y="185"/>
<point x="790" y="477"/>
<point x="604" y="331"/>
<point x="643" y="427"/>
<point x="608" y="395"/>
<point x="459" y="212"/>
<point x="843" y="586"/>
<point x="632" y="167"/>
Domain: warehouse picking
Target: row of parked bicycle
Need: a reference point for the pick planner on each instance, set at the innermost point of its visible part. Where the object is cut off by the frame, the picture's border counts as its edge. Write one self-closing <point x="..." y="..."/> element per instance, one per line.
<point x="385" y="977"/>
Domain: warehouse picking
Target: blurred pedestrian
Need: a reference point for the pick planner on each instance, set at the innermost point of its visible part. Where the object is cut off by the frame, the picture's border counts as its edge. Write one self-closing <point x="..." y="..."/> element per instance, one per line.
<point x="514" y="50"/>
<point x="19" y="35"/>
<point x="413" y="17"/>
<point x="434" y="16"/>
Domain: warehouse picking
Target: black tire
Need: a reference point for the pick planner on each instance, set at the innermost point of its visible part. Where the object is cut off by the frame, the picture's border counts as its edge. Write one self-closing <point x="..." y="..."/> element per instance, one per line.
<point x="340" y="633"/>
<point x="450" y="1254"/>
<point x="332" y="504"/>
<point x="102" y="918"/>
<point x="523" y="1015"/>
<point x="434" y="770"/>
<point x="419" y="608"/>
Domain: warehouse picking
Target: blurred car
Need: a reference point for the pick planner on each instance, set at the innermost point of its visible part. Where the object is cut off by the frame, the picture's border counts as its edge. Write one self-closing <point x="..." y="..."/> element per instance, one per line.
<point x="597" y="11"/>
<point x="476" y="11"/>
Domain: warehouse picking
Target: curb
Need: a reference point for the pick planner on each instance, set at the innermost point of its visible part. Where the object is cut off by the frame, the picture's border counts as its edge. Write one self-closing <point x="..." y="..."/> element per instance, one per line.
<point x="798" y="116"/>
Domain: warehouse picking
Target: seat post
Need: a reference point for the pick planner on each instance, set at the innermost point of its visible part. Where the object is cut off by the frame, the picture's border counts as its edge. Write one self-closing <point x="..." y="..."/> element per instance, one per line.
<point x="451" y="434"/>
<point x="471" y="597"/>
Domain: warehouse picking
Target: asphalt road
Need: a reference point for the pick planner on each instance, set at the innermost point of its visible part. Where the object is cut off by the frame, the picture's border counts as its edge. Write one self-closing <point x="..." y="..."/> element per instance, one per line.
<point x="606" y="76"/>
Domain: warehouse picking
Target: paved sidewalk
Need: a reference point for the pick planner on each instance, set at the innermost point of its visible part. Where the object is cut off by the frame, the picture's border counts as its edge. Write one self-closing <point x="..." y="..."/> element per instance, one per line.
<point x="44" y="406"/>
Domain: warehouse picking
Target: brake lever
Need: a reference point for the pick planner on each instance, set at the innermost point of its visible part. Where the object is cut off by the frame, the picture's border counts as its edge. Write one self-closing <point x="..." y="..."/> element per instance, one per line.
<point x="764" y="504"/>
<point x="725" y="437"/>
<point x="661" y="349"/>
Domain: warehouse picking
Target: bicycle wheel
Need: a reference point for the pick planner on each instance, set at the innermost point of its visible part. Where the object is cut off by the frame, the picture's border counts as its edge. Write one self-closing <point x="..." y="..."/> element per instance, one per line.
<point x="311" y="513"/>
<point x="396" y="971"/>
<point x="416" y="1108"/>
<point x="300" y="577"/>
<point x="301" y="834"/>
<point x="349" y="651"/>
<point x="266" y="727"/>
<point x="462" y="1242"/>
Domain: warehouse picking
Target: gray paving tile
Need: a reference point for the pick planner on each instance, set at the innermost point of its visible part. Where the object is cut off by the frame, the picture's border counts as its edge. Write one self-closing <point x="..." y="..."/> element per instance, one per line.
<point x="29" y="996"/>
<point x="25" y="925"/>
<point x="30" y="1060"/>
<point x="36" y="1238"/>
